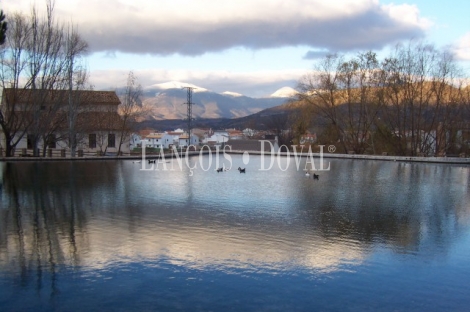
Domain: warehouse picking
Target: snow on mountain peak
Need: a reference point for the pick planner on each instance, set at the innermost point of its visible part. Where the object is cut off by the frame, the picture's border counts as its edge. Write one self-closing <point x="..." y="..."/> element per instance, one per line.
<point x="177" y="85"/>
<point x="234" y="94"/>
<point x="285" y="92"/>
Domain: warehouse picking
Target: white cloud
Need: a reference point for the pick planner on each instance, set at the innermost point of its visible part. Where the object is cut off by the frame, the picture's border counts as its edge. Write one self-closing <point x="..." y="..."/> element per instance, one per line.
<point x="200" y="27"/>
<point x="407" y="14"/>
<point x="462" y="48"/>
<point x="194" y="27"/>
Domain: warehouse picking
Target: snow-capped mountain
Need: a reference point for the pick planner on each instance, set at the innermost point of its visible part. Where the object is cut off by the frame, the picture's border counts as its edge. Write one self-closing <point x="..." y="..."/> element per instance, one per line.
<point x="176" y="85"/>
<point x="166" y="101"/>
<point x="285" y="92"/>
<point x="235" y="94"/>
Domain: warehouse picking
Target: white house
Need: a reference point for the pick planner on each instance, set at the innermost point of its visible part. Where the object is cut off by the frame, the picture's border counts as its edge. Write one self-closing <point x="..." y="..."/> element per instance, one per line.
<point x="175" y="135"/>
<point x="219" y="137"/>
<point x="135" y="141"/>
<point x="159" y="140"/>
<point x="184" y="138"/>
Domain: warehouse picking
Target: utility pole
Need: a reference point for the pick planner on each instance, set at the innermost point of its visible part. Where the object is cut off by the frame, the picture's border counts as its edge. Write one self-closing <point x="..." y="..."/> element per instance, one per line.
<point x="190" y="111"/>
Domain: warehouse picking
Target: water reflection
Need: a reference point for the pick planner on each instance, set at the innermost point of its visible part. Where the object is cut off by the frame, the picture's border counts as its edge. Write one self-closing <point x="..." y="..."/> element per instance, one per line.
<point x="89" y="216"/>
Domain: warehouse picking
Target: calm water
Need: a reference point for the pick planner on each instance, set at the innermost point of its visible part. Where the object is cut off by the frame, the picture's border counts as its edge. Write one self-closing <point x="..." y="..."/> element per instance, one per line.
<point x="367" y="236"/>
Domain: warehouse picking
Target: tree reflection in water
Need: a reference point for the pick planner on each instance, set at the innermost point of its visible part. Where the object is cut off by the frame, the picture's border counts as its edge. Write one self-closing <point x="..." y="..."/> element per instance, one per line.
<point x="87" y="215"/>
<point x="45" y="209"/>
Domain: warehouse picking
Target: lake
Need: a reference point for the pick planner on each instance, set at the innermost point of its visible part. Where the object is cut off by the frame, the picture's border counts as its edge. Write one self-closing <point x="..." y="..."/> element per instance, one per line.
<point x="107" y="235"/>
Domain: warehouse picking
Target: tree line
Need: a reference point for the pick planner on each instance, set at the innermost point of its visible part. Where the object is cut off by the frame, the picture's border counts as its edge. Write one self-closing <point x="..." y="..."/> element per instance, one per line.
<point x="44" y="55"/>
<point x="413" y="102"/>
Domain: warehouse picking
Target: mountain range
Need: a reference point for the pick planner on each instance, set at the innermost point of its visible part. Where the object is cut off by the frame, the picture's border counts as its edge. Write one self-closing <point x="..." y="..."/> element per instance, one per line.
<point x="167" y="101"/>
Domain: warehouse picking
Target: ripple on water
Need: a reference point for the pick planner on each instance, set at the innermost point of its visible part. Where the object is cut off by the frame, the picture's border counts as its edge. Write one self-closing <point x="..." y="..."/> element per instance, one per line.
<point x="367" y="232"/>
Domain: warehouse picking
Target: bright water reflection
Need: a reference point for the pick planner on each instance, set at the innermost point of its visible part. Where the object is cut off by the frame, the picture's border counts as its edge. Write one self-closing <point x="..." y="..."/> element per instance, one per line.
<point x="367" y="235"/>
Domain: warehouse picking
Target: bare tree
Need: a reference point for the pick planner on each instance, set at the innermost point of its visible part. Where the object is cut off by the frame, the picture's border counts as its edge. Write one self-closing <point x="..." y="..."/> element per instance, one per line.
<point x="77" y="76"/>
<point x="14" y="112"/>
<point x="37" y="61"/>
<point x="410" y="99"/>
<point x="46" y="70"/>
<point x="418" y="96"/>
<point x="345" y="92"/>
<point x="131" y="109"/>
<point x="320" y="90"/>
<point x="359" y="80"/>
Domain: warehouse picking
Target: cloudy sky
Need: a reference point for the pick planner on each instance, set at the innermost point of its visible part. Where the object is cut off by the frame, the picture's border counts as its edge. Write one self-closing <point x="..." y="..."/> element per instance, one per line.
<point x="251" y="47"/>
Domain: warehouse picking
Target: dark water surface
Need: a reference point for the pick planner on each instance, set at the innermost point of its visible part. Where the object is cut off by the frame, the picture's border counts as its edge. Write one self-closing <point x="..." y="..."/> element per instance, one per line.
<point x="367" y="236"/>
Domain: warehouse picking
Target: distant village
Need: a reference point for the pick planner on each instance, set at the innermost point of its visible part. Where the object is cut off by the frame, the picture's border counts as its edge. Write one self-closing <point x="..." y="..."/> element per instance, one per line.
<point x="42" y="128"/>
<point x="246" y="139"/>
<point x="39" y="126"/>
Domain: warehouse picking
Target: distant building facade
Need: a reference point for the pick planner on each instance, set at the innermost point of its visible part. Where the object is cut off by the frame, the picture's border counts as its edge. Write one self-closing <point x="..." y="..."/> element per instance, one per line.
<point x="98" y="128"/>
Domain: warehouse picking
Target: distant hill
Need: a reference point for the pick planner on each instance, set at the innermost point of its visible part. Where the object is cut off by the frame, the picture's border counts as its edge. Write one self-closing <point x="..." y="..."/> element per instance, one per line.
<point x="265" y="119"/>
<point x="166" y="101"/>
